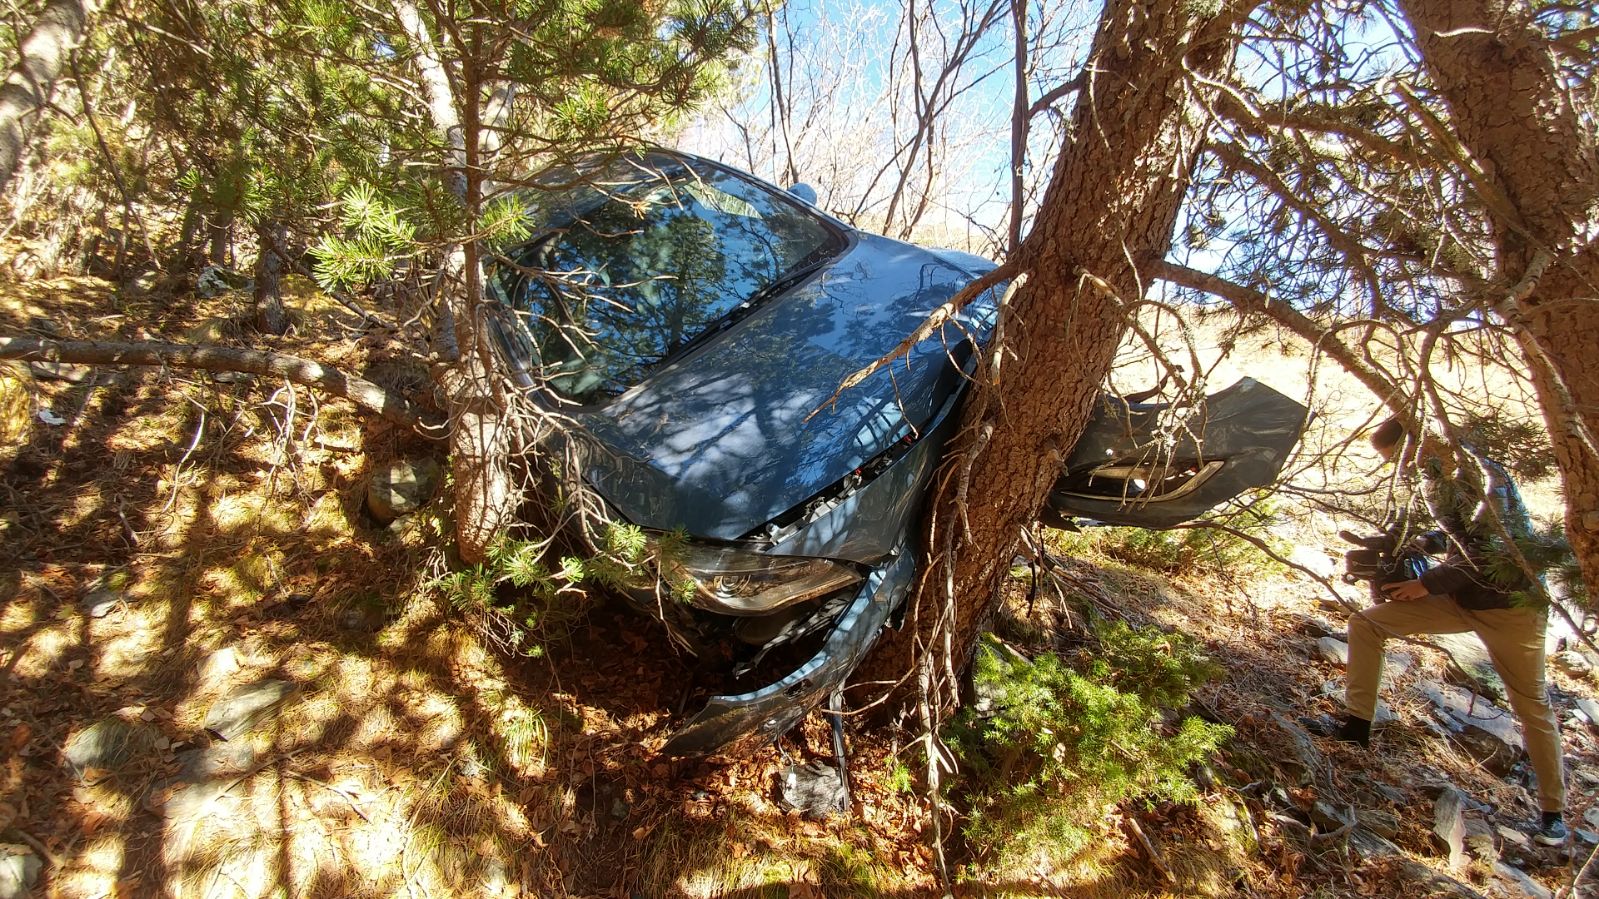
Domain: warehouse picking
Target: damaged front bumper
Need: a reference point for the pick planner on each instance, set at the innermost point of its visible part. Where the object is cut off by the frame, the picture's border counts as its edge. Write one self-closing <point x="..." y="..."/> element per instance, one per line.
<point x="770" y="711"/>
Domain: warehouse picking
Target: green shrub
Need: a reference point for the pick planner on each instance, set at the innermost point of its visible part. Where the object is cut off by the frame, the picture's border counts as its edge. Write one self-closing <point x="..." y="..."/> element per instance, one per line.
<point x="1060" y="741"/>
<point x="523" y="600"/>
<point x="1192" y="549"/>
<point x="1522" y="445"/>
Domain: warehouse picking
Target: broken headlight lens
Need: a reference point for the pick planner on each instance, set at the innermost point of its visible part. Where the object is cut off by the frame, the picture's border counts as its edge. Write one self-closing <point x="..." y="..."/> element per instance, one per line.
<point x="735" y="581"/>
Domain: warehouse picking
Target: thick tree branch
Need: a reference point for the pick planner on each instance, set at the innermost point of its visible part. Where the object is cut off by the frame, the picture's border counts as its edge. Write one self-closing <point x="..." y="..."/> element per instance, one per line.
<point x="1265" y="121"/>
<point x="1247" y="299"/>
<point x="1055" y="95"/>
<point x="360" y="391"/>
<point x="27" y="89"/>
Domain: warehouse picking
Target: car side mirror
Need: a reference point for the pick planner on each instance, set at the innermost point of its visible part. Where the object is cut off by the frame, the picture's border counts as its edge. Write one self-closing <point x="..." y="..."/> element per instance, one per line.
<point x="804" y="192"/>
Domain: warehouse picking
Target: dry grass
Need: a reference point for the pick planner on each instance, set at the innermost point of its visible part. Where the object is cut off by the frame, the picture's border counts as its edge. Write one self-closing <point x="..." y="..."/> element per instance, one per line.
<point x="415" y="760"/>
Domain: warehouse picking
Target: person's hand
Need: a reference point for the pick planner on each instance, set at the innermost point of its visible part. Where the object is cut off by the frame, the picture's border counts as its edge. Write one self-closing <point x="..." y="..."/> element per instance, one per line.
<point x="1405" y="591"/>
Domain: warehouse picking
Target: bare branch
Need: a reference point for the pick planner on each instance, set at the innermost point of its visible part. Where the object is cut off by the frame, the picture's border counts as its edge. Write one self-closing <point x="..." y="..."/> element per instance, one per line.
<point x="934" y="321"/>
<point x="1249" y="300"/>
<point x="360" y="391"/>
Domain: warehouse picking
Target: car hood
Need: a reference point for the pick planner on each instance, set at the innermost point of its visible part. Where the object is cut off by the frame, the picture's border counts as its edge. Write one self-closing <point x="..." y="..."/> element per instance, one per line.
<point x="746" y="427"/>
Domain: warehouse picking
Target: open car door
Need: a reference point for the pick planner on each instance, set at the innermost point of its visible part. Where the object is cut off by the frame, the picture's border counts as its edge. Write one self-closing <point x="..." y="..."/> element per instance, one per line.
<point x="1153" y="465"/>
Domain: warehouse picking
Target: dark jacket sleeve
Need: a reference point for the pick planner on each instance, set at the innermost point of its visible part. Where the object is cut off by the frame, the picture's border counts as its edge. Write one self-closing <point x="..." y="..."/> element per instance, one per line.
<point x="1446" y="579"/>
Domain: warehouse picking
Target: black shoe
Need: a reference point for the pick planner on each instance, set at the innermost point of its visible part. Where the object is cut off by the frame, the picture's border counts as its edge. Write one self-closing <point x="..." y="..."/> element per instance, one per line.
<point x="1349" y="730"/>
<point x="1552" y="830"/>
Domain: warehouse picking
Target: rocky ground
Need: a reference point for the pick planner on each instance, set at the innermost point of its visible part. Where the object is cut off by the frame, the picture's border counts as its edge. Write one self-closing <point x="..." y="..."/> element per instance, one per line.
<point x="222" y="674"/>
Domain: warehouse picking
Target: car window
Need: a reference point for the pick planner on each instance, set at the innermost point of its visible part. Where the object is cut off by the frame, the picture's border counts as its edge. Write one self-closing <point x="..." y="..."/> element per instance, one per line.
<point x="655" y="255"/>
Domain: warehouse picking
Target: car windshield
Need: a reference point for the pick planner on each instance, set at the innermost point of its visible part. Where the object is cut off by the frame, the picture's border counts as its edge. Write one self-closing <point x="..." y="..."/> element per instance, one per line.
<point x="644" y="257"/>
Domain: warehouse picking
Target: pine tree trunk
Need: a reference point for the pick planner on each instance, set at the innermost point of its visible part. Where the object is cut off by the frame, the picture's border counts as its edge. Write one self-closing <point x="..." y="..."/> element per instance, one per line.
<point x="1537" y="152"/>
<point x="221" y="238"/>
<point x="1107" y="217"/>
<point x="270" y="316"/>
<point x="485" y="497"/>
<point x="27" y="90"/>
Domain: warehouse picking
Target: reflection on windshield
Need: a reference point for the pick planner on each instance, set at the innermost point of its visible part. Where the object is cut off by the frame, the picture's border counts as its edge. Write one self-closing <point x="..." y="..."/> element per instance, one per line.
<point x="656" y="254"/>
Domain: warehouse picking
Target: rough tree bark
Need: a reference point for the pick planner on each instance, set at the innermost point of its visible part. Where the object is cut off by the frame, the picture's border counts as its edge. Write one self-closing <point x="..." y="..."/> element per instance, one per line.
<point x="27" y="90"/>
<point x="270" y="316"/>
<point x="1531" y="151"/>
<point x="1106" y="219"/>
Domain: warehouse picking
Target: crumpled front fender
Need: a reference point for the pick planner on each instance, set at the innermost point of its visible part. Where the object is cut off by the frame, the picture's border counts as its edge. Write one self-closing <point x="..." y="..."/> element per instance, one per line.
<point x="772" y="710"/>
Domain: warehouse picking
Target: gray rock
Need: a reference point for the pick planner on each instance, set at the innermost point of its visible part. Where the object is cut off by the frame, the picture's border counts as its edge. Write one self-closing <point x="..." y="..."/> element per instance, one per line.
<point x="215" y="280"/>
<point x="99" y="602"/>
<point x="1397" y="665"/>
<point x="247" y="707"/>
<point x="1449" y="826"/>
<point x="1383" y="824"/>
<point x="108" y="745"/>
<point x="816" y="789"/>
<point x="1367" y="845"/>
<point x="401" y="488"/>
<point x="1470" y="665"/>
<point x="1517" y="883"/>
<point x="1591" y="817"/>
<point x="1486" y="732"/>
<point x="1480" y="841"/>
<point x="193" y="794"/>
<point x="1588" y="837"/>
<point x="1572" y="663"/>
<point x="1313" y="627"/>
<point x="1590" y="711"/>
<point x="1391" y="793"/>
<point x="1333" y="650"/>
<point x="219" y="760"/>
<point x="19" y="869"/>
<point x="1328" y="817"/>
<point x="496" y="878"/>
<point x="1509" y="836"/>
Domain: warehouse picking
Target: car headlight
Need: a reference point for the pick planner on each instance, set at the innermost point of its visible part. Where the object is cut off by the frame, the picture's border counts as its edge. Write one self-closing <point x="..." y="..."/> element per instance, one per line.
<point x="735" y="581"/>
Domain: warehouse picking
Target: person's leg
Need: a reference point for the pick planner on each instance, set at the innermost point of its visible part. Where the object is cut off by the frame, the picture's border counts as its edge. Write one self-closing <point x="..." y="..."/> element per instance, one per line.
<point x="1369" y="629"/>
<point x="1515" y="642"/>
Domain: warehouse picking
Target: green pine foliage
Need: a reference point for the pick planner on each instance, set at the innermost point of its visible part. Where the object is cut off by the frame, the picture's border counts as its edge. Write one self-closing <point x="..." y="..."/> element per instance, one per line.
<point x="1197" y="549"/>
<point x="526" y="601"/>
<point x="582" y="75"/>
<point x="1059" y="741"/>
<point x="377" y="236"/>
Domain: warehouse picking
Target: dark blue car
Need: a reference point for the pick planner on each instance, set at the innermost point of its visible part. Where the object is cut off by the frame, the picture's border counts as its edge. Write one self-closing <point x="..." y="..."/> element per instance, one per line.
<point x="693" y="324"/>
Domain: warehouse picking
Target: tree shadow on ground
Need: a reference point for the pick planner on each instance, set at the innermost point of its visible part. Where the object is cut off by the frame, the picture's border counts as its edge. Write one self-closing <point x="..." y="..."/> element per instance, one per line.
<point x="404" y="753"/>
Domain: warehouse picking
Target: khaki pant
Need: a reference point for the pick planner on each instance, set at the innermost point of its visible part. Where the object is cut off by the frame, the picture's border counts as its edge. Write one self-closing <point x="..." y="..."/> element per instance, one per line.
<point x="1515" y="642"/>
